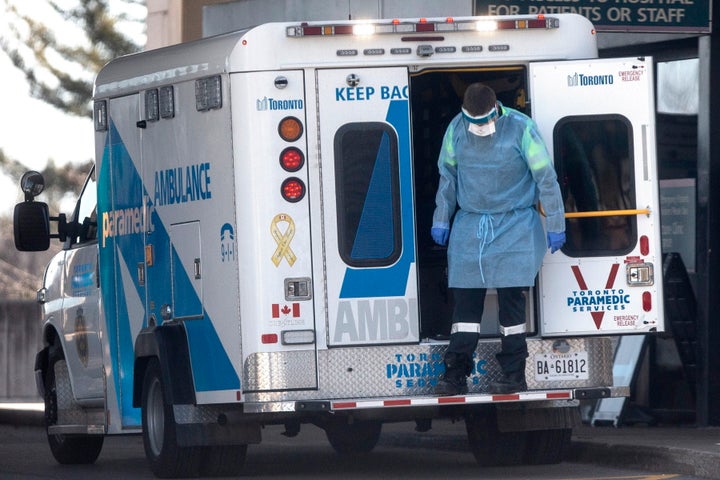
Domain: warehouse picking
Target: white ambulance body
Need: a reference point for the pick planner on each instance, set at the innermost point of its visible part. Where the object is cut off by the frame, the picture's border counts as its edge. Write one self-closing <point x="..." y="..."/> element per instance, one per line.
<point x="260" y="251"/>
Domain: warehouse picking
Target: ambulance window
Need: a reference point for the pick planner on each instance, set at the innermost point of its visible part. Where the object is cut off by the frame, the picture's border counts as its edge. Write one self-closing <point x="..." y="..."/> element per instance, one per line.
<point x="367" y="190"/>
<point x="86" y="211"/>
<point x="593" y="159"/>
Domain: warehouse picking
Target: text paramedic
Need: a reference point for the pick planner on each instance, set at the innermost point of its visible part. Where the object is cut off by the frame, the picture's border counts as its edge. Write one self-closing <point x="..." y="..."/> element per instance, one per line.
<point x="599" y="300"/>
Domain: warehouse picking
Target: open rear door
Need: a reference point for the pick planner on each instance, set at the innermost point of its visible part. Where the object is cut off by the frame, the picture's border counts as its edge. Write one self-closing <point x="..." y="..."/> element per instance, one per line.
<point x="368" y="208"/>
<point x="597" y="117"/>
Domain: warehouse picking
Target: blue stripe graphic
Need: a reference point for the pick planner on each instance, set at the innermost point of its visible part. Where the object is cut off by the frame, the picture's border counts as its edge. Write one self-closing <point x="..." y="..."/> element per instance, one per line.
<point x="120" y="187"/>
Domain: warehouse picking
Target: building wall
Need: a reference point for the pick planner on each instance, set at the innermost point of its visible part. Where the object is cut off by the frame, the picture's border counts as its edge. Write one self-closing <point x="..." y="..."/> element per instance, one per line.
<point x="175" y="21"/>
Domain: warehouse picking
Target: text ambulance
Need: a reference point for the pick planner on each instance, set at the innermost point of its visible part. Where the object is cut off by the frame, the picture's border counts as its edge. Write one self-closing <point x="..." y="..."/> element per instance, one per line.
<point x="252" y="246"/>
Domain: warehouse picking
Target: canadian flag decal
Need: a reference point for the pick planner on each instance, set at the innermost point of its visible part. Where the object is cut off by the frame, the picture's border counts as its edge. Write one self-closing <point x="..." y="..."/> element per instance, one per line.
<point x="596" y="316"/>
<point x="285" y="310"/>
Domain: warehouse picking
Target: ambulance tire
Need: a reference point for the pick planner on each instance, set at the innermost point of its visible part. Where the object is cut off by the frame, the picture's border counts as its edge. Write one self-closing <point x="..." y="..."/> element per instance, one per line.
<point x="547" y="447"/>
<point x="490" y="446"/>
<point x="353" y="438"/>
<point x="67" y="449"/>
<point x="167" y="459"/>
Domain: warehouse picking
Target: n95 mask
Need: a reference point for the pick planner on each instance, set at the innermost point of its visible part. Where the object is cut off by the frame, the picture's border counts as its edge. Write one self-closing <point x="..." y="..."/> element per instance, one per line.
<point x="482" y="130"/>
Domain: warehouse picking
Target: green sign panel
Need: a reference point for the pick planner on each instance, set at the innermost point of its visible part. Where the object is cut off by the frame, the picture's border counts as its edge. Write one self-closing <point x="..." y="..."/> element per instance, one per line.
<point x="679" y="16"/>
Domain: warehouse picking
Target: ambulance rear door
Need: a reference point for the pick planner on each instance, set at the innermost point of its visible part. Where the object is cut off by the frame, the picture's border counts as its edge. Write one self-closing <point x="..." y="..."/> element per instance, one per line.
<point x="597" y="118"/>
<point x="368" y="217"/>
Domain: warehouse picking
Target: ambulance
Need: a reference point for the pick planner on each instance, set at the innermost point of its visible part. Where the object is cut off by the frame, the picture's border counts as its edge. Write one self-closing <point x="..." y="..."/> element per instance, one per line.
<point x="252" y="246"/>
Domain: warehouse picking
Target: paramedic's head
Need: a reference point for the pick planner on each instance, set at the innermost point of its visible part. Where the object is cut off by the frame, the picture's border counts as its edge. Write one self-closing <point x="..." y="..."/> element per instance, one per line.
<point x="480" y="109"/>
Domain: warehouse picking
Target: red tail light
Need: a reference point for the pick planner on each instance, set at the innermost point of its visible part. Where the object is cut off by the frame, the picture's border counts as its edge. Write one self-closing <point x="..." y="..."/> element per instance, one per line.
<point x="293" y="189"/>
<point x="292" y="159"/>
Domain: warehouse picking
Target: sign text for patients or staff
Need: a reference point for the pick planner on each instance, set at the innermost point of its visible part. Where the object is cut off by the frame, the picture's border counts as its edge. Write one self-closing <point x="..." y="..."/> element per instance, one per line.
<point x="690" y="16"/>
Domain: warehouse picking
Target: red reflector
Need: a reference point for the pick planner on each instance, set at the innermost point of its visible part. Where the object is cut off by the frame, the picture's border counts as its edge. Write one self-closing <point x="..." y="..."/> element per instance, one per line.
<point x="293" y="190"/>
<point x="344" y="405"/>
<point x="506" y="25"/>
<point x="424" y="27"/>
<point x="644" y="245"/>
<point x="537" y="24"/>
<point x="292" y="159"/>
<point x="312" y="31"/>
<point x="343" y="29"/>
<point x="505" y="398"/>
<point x="269" y="338"/>
<point x="558" y="395"/>
<point x="647" y="301"/>
<point x="396" y="403"/>
<point x="451" y="400"/>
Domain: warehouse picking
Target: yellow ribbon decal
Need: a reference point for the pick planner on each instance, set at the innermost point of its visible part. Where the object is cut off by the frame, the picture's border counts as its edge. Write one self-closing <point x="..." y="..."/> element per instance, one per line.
<point x="283" y="240"/>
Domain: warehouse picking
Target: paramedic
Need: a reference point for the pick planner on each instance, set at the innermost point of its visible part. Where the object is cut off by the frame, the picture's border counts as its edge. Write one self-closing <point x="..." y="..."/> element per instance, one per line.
<point x="495" y="167"/>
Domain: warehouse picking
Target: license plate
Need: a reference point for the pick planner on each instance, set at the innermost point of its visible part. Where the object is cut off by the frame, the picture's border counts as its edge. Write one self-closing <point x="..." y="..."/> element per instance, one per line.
<point x="561" y="366"/>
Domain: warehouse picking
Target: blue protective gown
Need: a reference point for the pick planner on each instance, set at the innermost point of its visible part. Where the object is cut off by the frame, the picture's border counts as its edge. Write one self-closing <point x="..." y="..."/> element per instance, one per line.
<point x="497" y="238"/>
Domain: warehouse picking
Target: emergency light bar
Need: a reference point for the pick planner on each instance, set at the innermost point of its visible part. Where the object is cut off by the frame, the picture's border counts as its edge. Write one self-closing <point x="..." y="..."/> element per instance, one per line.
<point x="423" y="25"/>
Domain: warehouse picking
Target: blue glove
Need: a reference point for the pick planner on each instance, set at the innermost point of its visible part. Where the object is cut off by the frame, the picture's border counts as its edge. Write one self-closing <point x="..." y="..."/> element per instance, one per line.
<point x="555" y="241"/>
<point x="440" y="235"/>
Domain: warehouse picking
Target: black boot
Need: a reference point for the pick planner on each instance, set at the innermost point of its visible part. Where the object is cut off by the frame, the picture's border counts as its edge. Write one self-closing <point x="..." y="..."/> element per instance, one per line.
<point x="452" y="382"/>
<point x="509" y="383"/>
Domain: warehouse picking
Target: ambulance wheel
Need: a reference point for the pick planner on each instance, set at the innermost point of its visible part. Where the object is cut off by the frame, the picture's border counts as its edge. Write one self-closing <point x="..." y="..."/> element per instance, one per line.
<point x="491" y="447"/>
<point x="166" y="458"/>
<point x="357" y="437"/>
<point x="67" y="449"/>
<point x="546" y="447"/>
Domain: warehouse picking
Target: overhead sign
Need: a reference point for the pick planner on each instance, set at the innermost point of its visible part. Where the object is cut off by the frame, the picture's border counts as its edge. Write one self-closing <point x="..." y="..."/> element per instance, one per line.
<point x="676" y="16"/>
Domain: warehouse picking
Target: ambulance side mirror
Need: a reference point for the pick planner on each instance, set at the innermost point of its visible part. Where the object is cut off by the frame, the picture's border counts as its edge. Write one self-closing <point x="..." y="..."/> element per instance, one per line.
<point x="31" y="219"/>
<point x="31" y="225"/>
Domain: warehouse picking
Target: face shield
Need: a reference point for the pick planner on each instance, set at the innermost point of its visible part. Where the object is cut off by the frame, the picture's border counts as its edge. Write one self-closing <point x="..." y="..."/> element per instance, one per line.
<point x="482" y="125"/>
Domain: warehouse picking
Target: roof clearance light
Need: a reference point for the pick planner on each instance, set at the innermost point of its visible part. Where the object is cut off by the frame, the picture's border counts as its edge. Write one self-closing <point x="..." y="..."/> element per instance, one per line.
<point x="208" y="93"/>
<point x="312" y="30"/>
<point x="290" y="129"/>
<point x="152" y="108"/>
<point x="364" y="29"/>
<point x="424" y="26"/>
<point x="486" y="26"/>
<point x="100" y="115"/>
<point x="167" y="102"/>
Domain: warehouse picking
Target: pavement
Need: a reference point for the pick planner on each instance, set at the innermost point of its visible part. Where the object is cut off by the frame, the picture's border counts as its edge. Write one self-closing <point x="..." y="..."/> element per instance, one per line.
<point x="667" y="449"/>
